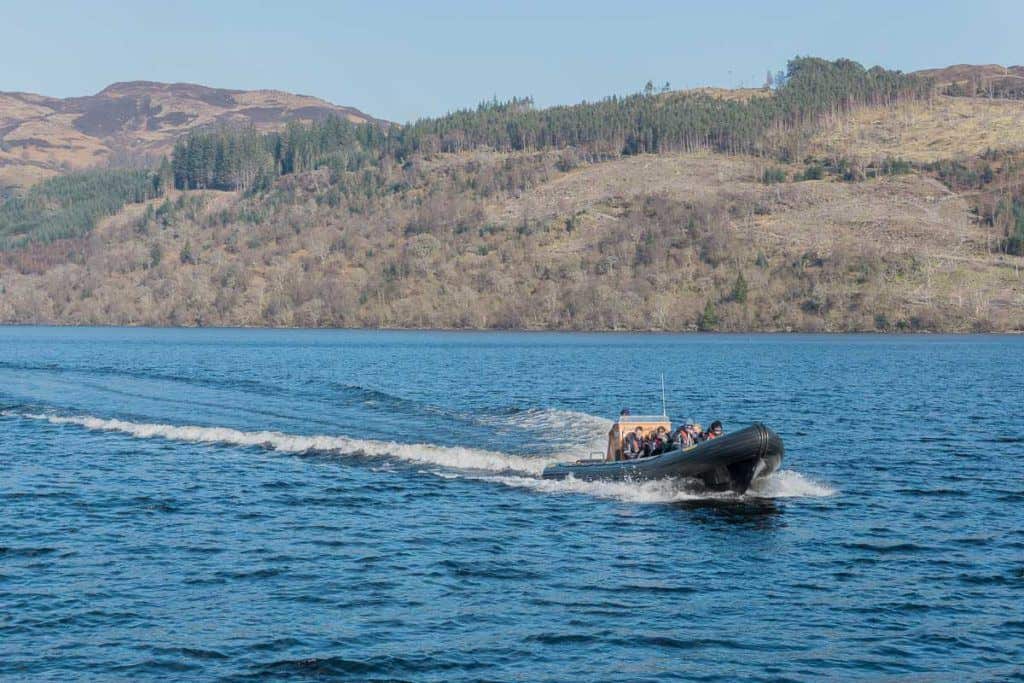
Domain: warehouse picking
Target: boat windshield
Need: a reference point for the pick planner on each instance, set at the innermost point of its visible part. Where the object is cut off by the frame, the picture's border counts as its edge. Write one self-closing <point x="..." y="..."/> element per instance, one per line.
<point x="626" y="424"/>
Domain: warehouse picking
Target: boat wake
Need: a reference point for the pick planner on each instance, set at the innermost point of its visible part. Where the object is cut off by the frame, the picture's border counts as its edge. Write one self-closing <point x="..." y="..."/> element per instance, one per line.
<point x="461" y="462"/>
<point x="781" y="484"/>
<point x="572" y="434"/>
<point x="445" y="456"/>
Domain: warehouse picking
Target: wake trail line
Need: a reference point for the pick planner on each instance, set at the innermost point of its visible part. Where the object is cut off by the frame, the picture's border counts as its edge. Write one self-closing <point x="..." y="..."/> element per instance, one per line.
<point x="445" y="456"/>
<point x="509" y="470"/>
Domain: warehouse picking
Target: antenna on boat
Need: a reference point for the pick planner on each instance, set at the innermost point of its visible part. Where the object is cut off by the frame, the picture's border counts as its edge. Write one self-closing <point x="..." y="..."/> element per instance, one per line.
<point x="664" y="413"/>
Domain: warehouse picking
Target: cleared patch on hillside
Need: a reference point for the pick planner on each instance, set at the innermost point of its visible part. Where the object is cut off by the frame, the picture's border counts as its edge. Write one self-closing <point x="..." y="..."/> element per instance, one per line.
<point x="682" y="176"/>
<point x="949" y="127"/>
<point x="939" y="256"/>
<point x="22" y="175"/>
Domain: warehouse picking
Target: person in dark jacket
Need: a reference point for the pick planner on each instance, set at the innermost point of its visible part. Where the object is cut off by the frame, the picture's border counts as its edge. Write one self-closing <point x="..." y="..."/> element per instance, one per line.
<point x="633" y="444"/>
<point x="659" y="441"/>
<point x="648" y="445"/>
<point x="671" y="440"/>
<point x="715" y="430"/>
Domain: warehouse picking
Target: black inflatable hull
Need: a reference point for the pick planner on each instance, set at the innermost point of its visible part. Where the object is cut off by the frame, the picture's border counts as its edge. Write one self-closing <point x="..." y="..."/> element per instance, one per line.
<point x="730" y="462"/>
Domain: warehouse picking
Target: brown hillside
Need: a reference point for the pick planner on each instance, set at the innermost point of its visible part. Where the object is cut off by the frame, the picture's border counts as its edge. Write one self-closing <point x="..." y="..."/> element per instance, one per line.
<point x="134" y="122"/>
<point x="550" y="238"/>
<point x="989" y="80"/>
<point x="960" y="73"/>
<point x="948" y="127"/>
<point x="563" y="253"/>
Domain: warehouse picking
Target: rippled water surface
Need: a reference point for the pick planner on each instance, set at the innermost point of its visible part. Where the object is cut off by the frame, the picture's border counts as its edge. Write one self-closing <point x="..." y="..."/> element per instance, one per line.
<point x="360" y="505"/>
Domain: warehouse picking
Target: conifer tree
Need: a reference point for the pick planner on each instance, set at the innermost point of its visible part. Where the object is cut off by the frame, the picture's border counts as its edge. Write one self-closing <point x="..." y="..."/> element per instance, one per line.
<point x="709" y="318"/>
<point x="739" y="289"/>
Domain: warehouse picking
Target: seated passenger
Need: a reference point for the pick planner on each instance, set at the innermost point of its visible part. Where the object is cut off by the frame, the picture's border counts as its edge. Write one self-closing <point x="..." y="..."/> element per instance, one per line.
<point x="659" y="441"/>
<point x="684" y="435"/>
<point x="671" y="440"/>
<point x="633" y="444"/>
<point x="715" y="430"/>
<point x="697" y="432"/>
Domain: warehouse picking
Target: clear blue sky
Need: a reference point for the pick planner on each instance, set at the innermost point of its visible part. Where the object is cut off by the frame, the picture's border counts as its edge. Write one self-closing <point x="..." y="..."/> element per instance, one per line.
<point x="402" y="60"/>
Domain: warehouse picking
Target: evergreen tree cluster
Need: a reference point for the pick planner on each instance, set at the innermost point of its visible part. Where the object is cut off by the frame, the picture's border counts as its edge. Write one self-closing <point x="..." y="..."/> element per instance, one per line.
<point x="1010" y="213"/>
<point x="245" y="159"/>
<point x="643" y="123"/>
<point x="70" y="205"/>
<point x="648" y="123"/>
<point x="228" y="159"/>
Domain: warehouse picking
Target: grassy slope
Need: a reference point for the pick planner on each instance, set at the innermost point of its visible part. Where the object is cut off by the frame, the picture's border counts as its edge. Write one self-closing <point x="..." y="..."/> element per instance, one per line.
<point x="912" y="219"/>
<point x="818" y="255"/>
<point x="949" y="128"/>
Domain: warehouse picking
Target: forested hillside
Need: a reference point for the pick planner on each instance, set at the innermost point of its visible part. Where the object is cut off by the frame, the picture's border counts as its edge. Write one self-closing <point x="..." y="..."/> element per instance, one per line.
<point x="780" y="209"/>
<point x="71" y="205"/>
<point x="644" y="123"/>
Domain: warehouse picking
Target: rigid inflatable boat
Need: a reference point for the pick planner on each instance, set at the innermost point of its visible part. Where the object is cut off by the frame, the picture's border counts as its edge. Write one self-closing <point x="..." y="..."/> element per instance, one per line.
<point x="730" y="462"/>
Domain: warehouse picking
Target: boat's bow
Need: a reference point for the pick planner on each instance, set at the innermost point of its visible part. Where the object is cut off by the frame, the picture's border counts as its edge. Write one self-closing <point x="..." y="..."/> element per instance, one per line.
<point x="765" y="451"/>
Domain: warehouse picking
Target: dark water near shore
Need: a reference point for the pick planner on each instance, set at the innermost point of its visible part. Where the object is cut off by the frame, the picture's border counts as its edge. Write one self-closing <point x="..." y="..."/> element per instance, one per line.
<point x="357" y="505"/>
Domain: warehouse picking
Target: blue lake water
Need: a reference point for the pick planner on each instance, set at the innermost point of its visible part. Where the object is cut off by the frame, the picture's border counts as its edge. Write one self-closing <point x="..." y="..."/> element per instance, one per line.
<point x="231" y="504"/>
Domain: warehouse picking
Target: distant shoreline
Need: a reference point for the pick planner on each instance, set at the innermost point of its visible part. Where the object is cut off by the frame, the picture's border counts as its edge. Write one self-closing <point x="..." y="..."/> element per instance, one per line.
<point x="689" y="333"/>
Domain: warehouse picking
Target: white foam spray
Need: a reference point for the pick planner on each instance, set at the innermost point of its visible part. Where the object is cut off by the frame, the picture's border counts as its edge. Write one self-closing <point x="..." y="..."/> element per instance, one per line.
<point x="503" y="468"/>
<point x="789" y="484"/>
<point x="782" y="484"/>
<point x="446" y="456"/>
<point x="573" y="434"/>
